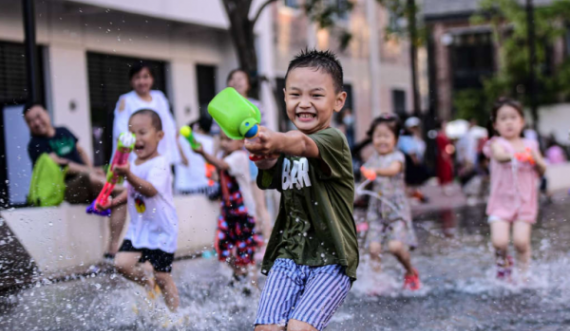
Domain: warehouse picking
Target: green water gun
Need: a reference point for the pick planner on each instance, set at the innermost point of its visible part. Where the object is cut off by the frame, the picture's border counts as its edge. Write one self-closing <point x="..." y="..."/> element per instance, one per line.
<point x="187" y="133"/>
<point x="237" y="116"/>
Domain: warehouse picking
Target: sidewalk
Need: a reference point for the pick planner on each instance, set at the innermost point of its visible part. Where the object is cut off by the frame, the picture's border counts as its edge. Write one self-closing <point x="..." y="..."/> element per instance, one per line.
<point x="438" y="200"/>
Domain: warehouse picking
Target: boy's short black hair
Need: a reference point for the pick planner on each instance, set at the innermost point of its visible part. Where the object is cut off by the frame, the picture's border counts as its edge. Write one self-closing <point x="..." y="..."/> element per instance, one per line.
<point x="138" y="67"/>
<point x="320" y="60"/>
<point x="155" y="119"/>
<point x="29" y="105"/>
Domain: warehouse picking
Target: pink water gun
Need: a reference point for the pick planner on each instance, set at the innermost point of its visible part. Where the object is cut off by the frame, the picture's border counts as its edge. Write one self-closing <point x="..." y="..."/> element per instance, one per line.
<point x="525" y="157"/>
<point x="124" y="147"/>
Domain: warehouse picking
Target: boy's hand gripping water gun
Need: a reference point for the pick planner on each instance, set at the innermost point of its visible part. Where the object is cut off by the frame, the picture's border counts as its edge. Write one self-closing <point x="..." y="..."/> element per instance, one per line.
<point x="237" y="116"/>
<point x="125" y="146"/>
<point x="187" y="133"/>
<point x="525" y="157"/>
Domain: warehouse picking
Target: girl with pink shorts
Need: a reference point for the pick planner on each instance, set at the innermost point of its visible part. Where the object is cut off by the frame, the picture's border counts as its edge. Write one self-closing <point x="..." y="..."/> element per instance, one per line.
<point x="516" y="164"/>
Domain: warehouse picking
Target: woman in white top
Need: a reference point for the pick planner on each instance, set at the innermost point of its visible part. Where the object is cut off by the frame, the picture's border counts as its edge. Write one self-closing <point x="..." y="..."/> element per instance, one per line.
<point x="143" y="97"/>
<point x="240" y="81"/>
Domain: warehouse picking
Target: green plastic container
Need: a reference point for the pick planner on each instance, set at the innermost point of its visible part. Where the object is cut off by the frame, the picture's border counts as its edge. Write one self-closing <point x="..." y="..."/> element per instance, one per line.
<point x="237" y="116"/>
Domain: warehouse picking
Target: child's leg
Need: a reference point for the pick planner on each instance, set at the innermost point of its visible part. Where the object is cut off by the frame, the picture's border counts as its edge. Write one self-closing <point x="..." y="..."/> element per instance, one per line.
<point x="283" y="287"/>
<point x="325" y="291"/>
<point x="399" y="250"/>
<point x="375" y="260"/>
<point x="521" y="241"/>
<point x="127" y="264"/>
<point x="169" y="290"/>
<point x="116" y="224"/>
<point x="500" y="238"/>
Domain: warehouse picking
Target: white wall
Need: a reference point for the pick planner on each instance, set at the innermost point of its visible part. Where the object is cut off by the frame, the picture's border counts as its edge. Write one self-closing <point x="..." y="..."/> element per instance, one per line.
<point x="64" y="239"/>
<point x="203" y="12"/>
<point x="69" y="30"/>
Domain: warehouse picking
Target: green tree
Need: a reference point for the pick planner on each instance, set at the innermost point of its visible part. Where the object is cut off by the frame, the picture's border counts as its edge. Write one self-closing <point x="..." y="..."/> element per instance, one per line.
<point x="510" y="30"/>
<point x="323" y="12"/>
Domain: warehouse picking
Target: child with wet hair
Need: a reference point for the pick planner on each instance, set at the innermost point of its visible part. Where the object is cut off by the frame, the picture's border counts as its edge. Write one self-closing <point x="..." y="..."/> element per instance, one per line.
<point x="515" y="167"/>
<point x="153" y="231"/>
<point x="312" y="255"/>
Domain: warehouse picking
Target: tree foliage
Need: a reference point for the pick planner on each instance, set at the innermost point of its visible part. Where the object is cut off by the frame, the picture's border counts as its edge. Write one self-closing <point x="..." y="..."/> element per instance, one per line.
<point x="508" y="19"/>
<point x="242" y="23"/>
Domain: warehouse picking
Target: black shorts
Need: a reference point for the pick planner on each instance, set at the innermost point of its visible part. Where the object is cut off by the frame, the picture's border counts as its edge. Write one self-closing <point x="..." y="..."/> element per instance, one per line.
<point x="160" y="260"/>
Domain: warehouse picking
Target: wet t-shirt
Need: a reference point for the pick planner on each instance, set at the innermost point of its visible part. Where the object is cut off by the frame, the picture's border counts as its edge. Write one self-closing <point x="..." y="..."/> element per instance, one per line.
<point x="315" y="226"/>
<point x="63" y="144"/>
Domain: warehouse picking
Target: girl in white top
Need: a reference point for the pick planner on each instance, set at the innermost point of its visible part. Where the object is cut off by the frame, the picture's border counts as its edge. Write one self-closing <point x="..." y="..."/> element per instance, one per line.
<point x="142" y="97"/>
<point x="240" y="81"/>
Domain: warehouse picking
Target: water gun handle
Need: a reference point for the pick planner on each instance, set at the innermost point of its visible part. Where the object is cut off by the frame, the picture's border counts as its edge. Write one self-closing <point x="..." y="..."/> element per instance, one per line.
<point x="121" y="158"/>
<point x="368" y="174"/>
<point x="525" y="157"/>
<point x="253" y="157"/>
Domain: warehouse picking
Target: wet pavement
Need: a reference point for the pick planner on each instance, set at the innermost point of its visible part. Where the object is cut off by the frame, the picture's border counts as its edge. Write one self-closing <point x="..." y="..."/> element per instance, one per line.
<point x="455" y="261"/>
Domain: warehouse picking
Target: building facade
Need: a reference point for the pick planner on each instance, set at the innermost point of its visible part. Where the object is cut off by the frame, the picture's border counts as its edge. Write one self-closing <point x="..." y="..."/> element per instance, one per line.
<point x="86" y="47"/>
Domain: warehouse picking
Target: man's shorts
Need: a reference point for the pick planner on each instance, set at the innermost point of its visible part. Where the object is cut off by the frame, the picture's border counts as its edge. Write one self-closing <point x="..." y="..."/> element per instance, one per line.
<point x="161" y="261"/>
<point x="303" y="293"/>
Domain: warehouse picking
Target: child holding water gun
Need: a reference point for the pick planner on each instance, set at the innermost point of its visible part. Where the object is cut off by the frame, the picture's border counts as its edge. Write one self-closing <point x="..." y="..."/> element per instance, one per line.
<point x="153" y="230"/>
<point x="312" y="255"/>
<point x="516" y="164"/>
<point x="390" y="220"/>
<point x="235" y="238"/>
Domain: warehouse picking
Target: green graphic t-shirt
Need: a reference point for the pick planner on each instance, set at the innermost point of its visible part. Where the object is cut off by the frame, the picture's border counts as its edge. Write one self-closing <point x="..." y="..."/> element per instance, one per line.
<point x="314" y="226"/>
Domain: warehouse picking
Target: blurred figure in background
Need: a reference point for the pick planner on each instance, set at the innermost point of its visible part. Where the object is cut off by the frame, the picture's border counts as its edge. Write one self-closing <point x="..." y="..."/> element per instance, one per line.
<point x="192" y="172"/>
<point x="143" y="97"/>
<point x="240" y="81"/>
<point x="555" y="154"/>
<point x="444" y="161"/>
<point x="414" y="147"/>
<point x="345" y="123"/>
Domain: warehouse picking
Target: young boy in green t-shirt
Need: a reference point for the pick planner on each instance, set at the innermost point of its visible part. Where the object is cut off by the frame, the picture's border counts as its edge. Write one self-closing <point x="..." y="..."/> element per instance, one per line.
<point x="312" y="255"/>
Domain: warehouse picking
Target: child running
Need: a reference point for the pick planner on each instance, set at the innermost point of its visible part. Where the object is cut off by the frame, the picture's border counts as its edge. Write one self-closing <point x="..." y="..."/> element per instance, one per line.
<point x="312" y="255"/>
<point x="236" y="224"/>
<point x="390" y="221"/>
<point x="153" y="230"/>
<point x="516" y="164"/>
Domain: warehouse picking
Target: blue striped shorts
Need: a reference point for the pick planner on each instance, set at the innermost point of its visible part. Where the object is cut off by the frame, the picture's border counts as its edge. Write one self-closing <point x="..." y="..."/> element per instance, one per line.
<point x="303" y="293"/>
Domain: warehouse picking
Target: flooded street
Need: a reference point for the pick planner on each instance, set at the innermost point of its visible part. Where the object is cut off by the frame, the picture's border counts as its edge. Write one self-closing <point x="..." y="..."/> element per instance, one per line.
<point x="455" y="261"/>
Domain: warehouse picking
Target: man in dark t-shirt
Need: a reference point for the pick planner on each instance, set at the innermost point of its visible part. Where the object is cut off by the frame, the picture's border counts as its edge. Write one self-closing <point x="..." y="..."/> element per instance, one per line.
<point x="83" y="181"/>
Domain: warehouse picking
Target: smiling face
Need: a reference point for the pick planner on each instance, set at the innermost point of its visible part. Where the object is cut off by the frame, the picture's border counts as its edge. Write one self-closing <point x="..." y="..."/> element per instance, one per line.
<point x="311" y="99"/>
<point x="509" y="123"/>
<point x="239" y="82"/>
<point x="146" y="146"/>
<point x="142" y="81"/>
<point x="38" y="121"/>
<point x="384" y="139"/>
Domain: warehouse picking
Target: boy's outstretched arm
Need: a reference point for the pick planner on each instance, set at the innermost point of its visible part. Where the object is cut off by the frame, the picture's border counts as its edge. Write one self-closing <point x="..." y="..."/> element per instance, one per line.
<point x="218" y="163"/>
<point x="294" y="143"/>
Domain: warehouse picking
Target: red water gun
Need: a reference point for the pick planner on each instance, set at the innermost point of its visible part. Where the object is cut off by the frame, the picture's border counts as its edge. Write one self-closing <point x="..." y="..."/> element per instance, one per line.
<point x="125" y="145"/>
<point x="525" y="157"/>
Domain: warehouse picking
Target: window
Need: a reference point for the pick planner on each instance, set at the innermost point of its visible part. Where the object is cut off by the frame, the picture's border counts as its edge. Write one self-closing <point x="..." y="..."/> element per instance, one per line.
<point x="108" y="79"/>
<point x="292" y="3"/>
<point x="13" y="71"/>
<point x="399" y="102"/>
<point x="15" y="168"/>
<point x="206" y="78"/>
<point x="343" y="8"/>
<point x="472" y="59"/>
